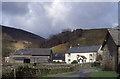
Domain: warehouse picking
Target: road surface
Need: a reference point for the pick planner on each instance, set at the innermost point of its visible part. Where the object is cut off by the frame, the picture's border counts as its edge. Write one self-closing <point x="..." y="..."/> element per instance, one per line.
<point x="80" y="74"/>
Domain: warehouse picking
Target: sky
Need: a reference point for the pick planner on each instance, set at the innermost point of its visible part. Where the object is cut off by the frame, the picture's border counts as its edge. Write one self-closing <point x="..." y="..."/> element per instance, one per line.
<point x="48" y="18"/>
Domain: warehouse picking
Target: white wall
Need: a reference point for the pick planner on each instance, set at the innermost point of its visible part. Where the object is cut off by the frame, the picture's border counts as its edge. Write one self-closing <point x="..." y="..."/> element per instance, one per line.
<point x="73" y="56"/>
<point x="57" y="60"/>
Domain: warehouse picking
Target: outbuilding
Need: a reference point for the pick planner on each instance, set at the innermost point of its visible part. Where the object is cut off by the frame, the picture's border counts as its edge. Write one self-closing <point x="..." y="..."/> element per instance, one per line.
<point x="31" y="55"/>
<point x="111" y="50"/>
<point x="58" y="57"/>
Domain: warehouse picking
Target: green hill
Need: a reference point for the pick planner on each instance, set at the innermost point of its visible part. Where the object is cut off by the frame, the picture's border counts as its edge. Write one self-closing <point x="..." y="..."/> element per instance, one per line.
<point x="14" y="39"/>
<point x="89" y="38"/>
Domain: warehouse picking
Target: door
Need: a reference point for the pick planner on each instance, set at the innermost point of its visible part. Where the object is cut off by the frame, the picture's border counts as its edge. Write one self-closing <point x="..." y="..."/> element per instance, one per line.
<point x="26" y="60"/>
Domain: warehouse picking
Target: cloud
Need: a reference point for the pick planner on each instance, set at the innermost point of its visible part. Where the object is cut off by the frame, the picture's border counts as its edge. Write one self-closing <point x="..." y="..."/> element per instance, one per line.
<point x="15" y="8"/>
<point x="46" y="18"/>
<point x="57" y="11"/>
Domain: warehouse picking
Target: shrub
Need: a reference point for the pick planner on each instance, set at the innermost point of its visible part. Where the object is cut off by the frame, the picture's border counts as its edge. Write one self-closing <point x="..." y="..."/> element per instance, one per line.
<point x="74" y="62"/>
<point x="99" y="58"/>
<point x="58" y="61"/>
<point x="95" y="64"/>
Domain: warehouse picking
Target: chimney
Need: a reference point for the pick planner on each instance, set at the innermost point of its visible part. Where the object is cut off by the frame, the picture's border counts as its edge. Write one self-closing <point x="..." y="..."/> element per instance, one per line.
<point x="78" y="45"/>
<point x="71" y="46"/>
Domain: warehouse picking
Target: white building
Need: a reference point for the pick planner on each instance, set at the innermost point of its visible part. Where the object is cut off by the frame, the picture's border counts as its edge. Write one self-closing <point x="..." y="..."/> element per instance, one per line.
<point x="82" y="54"/>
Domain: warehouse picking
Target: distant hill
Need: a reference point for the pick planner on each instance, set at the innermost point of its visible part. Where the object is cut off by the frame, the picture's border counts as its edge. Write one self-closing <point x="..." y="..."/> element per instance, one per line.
<point x="14" y="39"/>
<point x="89" y="37"/>
<point x="18" y="34"/>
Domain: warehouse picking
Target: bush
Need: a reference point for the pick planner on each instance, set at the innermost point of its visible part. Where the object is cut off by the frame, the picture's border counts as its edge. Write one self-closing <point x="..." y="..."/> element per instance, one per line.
<point x="74" y="62"/>
<point x="95" y="64"/>
<point x="99" y="58"/>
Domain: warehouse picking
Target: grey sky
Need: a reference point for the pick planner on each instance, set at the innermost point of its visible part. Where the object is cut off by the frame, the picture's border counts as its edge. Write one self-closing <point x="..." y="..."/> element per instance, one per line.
<point x="46" y="18"/>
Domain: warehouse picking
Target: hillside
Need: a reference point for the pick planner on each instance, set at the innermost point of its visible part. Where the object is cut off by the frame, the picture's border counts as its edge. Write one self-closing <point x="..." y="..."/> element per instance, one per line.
<point x="14" y="39"/>
<point x="89" y="38"/>
<point x="18" y="34"/>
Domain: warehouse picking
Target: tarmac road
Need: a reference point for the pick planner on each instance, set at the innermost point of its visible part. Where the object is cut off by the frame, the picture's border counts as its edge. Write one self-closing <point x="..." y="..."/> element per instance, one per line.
<point x="80" y="74"/>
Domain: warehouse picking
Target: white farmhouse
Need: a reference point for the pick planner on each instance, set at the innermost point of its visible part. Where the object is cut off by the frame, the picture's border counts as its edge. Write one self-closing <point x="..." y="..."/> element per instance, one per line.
<point x="82" y="54"/>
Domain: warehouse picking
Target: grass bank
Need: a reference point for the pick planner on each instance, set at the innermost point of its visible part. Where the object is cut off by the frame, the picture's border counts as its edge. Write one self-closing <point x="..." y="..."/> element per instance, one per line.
<point x="104" y="74"/>
<point x="55" y="75"/>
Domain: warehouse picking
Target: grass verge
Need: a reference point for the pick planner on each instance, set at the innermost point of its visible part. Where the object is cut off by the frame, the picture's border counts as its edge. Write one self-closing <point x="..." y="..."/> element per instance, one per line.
<point x="65" y="73"/>
<point x="104" y="74"/>
<point x="55" y="75"/>
<point x="97" y="68"/>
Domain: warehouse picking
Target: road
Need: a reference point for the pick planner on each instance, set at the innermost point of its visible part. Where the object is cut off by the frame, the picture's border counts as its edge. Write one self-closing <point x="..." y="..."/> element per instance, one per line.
<point x="80" y="74"/>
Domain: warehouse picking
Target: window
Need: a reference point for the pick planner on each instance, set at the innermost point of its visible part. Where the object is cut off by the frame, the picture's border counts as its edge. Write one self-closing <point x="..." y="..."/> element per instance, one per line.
<point x="78" y="56"/>
<point x="85" y="61"/>
<point x="18" y="58"/>
<point x="69" y="60"/>
<point x="68" y="54"/>
<point x="90" y="60"/>
<point x="90" y="55"/>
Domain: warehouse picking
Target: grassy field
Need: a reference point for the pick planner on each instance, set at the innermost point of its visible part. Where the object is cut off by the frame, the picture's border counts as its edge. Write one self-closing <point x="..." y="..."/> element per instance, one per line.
<point x="60" y="48"/>
<point x="104" y="74"/>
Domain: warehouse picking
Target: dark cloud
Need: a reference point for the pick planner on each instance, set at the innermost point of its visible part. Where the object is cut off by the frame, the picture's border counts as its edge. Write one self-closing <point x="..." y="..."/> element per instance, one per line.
<point x="49" y="18"/>
<point x="15" y="8"/>
<point x="119" y="13"/>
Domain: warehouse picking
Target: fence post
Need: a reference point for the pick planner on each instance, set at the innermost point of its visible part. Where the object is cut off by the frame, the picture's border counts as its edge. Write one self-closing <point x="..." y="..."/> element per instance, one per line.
<point x="14" y="74"/>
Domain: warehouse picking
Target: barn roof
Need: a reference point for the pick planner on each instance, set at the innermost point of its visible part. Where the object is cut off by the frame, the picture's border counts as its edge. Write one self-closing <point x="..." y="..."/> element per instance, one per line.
<point x="33" y="51"/>
<point x="115" y="33"/>
<point x="85" y="49"/>
<point x="58" y="55"/>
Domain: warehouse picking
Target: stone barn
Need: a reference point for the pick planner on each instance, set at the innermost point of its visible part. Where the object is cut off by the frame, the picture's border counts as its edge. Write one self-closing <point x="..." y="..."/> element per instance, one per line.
<point x="31" y="55"/>
<point x="111" y="50"/>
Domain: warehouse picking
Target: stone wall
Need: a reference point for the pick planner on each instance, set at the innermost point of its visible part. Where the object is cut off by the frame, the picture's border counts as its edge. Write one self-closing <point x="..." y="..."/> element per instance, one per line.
<point x="119" y="59"/>
<point x="27" y="71"/>
<point x="109" y="57"/>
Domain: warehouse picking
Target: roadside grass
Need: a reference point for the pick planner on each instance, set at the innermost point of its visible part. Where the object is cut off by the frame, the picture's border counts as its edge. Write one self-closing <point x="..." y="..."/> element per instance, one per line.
<point x="96" y="68"/>
<point x="65" y="73"/>
<point x="55" y="75"/>
<point x="104" y="74"/>
<point x="1" y="67"/>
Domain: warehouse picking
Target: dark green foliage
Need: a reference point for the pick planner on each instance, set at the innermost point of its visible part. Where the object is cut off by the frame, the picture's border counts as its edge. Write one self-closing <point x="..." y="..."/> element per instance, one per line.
<point x="95" y="64"/>
<point x="74" y="62"/>
<point x="63" y="37"/>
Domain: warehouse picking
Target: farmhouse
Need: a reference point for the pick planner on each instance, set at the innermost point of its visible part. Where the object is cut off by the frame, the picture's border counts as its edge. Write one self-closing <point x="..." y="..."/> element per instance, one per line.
<point x="31" y="55"/>
<point x="58" y="57"/>
<point x="111" y="50"/>
<point x="82" y="54"/>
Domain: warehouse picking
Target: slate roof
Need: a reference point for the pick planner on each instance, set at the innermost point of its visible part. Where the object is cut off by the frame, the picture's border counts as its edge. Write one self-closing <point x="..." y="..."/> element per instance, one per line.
<point x="115" y="35"/>
<point x="33" y="51"/>
<point x="58" y="55"/>
<point x="85" y="49"/>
